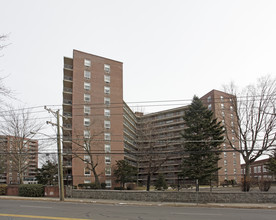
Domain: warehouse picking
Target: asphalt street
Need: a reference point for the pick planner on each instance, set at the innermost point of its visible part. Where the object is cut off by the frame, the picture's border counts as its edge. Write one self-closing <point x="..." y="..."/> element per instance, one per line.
<point x="25" y="209"/>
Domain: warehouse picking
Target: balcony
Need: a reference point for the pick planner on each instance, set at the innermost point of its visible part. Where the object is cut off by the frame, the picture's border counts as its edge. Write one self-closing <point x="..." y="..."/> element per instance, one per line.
<point x="68" y="78"/>
<point x="67" y="164"/>
<point x="68" y="66"/>
<point x="67" y="90"/>
<point x="67" y="114"/>
<point x="67" y="126"/>
<point x="67" y="102"/>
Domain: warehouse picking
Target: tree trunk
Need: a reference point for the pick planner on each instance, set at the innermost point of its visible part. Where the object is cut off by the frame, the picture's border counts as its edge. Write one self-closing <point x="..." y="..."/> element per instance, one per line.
<point x="148" y="182"/>
<point x="97" y="180"/>
<point x="197" y="185"/>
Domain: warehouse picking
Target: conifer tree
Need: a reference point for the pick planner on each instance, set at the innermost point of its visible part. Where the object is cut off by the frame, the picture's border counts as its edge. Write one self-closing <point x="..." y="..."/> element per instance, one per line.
<point x="203" y="136"/>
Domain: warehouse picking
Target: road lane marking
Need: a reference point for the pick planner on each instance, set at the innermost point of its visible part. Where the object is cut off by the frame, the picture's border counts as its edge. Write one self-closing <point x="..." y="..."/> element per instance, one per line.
<point x="30" y="206"/>
<point x="187" y="213"/>
<point x="41" y="217"/>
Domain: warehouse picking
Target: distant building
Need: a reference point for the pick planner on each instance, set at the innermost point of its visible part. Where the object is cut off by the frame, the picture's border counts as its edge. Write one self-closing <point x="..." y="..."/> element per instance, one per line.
<point x="9" y="159"/>
<point x="258" y="170"/>
<point x="94" y="107"/>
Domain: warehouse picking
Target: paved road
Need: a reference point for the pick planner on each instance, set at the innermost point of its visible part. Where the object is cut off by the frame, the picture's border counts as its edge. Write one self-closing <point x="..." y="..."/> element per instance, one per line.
<point x="24" y="209"/>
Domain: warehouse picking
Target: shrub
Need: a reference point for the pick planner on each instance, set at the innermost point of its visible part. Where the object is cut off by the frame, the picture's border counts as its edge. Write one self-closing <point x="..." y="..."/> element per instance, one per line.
<point x="31" y="190"/>
<point x="3" y="189"/>
<point x="264" y="185"/>
<point x="89" y="186"/>
<point x="118" y="188"/>
<point x="103" y="185"/>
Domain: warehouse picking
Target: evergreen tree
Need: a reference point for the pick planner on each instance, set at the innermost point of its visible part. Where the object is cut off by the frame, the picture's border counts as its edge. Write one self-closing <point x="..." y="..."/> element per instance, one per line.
<point x="203" y="136"/>
<point x="124" y="172"/>
<point x="160" y="183"/>
<point x="47" y="174"/>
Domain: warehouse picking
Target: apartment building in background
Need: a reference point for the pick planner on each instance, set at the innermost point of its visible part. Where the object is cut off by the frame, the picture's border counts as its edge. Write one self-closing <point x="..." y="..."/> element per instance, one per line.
<point x="258" y="171"/>
<point x="95" y="110"/>
<point x="223" y="106"/>
<point x="10" y="159"/>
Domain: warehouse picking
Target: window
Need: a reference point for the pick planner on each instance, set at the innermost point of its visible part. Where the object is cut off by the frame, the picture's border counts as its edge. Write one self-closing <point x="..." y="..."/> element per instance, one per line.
<point x="107" y="124"/>
<point x="223" y="114"/>
<point x="87" y="181"/>
<point x="108" y="183"/>
<point x="232" y="116"/>
<point x="87" y="97"/>
<point x="87" y="74"/>
<point x="225" y="171"/>
<point x="106" y="101"/>
<point x="234" y="155"/>
<point x="87" y="62"/>
<point x="255" y="169"/>
<point x="87" y="159"/>
<point x="107" y="90"/>
<point x="222" y="106"/>
<point x="86" y="109"/>
<point x="232" y="123"/>
<point x="86" y="134"/>
<point x="86" y="121"/>
<point x="87" y="86"/>
<point x="87" y="172"/>
<point x="107" y="159"/>
<point x="108" y="171"/>
<point x="107" y="79"/>
<point x="86" y="146"/>
<point x="231" y="108"/>
<point x="221" y="98"/>
<point x="107" y="148"/>
<point x="107" y="68"/>
<point x="210" y="106"/>
<point x="209" y="99"/>
<point x="225" y="162"/>
<point x="107" y="136"/>
<point x="225" y="154"/>
<point x="235" y="171"/>
<point x="107" y="112"/>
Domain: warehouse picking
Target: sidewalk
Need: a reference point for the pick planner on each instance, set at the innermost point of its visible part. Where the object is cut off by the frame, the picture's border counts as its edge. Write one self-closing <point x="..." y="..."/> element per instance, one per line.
<point x="140" y="203"/>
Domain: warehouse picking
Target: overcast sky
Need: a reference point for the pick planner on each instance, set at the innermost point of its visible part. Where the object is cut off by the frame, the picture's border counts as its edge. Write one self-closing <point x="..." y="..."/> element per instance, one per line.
<point x="171" y="49"/>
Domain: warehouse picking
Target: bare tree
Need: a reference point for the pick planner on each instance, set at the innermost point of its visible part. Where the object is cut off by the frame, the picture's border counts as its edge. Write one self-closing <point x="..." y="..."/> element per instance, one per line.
<point x="152" y="149"/>
<point x="4" y="91"/>
<point x="256" y="120"/>
<point x="18" y="130"/>
<point x="88" y="148"/>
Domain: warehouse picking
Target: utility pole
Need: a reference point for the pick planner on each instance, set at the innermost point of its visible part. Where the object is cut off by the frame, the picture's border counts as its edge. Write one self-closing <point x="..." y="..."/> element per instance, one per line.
<point x="60" y="167"/>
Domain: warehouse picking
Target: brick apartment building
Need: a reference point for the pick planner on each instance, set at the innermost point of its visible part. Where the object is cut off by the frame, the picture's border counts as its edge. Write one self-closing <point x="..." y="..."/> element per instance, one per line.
<point x="93" y="103"/>
<point x="94" y="106"/>
<point x="9" y="159"/>
<point x="258" y="170"/>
